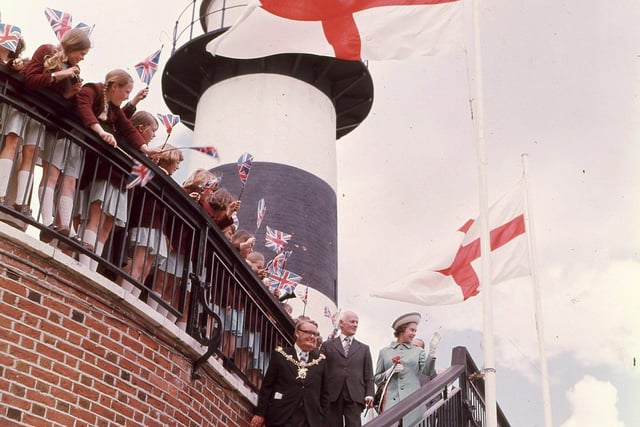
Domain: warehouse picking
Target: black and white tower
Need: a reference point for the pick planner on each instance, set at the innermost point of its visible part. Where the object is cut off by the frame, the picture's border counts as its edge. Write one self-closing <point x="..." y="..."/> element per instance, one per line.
<point x="287" y="110"/>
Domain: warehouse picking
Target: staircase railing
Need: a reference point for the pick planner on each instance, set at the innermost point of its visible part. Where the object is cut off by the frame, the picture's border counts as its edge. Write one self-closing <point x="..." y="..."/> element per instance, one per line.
<point x="454" y="398"/>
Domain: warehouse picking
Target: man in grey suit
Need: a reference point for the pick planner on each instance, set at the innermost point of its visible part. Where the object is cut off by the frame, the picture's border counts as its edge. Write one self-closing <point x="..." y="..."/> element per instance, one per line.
<point x="350" y="372"/>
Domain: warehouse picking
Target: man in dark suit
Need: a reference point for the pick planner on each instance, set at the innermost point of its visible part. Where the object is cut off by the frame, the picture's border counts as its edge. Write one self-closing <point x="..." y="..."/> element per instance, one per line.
<point x="294" y="390"/>
<point x="350" y="367"/>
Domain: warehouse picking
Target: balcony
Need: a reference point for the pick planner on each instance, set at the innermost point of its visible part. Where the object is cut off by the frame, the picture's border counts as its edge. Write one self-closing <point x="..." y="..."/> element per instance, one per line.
<point x="221" y="302"/>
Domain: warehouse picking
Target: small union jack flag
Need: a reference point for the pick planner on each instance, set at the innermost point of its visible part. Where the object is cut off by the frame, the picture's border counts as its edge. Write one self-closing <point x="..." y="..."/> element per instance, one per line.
<point x="279" y="261"/>
<point x="87" y="29"/>
<point x="140" y="175"/>
<point x="60" y="21"/>
<point x="236" y="221"/>
<point x="333" y="317"/>
<point x="209" y="151"/>
<point x="288" y="281"/>
<point x="244" y="167"/>
<point x="276" y="239"/>
<point x="302" y="295"/>
<point x="9" y="37"/>
<point x="148" y="67"/>
<point x="210" y="183"/>
<point x="262" y="209"/>
<point x="285" y="280"/>
<point x="169" y="121"/>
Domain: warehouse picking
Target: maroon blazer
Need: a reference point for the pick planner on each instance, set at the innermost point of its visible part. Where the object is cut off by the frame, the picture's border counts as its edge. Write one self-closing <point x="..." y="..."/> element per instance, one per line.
<point x="35" y="77"/>
<point x="89" y="104"/>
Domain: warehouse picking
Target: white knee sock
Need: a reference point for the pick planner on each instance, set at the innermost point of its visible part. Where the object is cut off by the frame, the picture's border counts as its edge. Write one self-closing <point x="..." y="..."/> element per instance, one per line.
<point x="46" y="205"/>
<point x="98" y="251"/>
<point x="90" y="238"/>
<point x="5" y="174"/>
<point x="65" y="210"/>
<point x="22" y="194"/>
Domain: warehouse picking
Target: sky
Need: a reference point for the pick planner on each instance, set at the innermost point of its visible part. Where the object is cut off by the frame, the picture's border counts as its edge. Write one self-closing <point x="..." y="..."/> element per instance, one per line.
<point x="561" y="84"/>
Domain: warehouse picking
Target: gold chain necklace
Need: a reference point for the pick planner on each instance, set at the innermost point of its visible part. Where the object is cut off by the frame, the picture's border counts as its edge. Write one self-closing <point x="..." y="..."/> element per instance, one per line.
<point x="303" y="367"/>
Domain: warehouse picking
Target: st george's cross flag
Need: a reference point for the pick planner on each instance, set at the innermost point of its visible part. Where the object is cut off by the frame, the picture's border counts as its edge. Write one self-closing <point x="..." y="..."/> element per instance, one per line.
<point x="456" y="277"/>
<point x="352" y="30"/>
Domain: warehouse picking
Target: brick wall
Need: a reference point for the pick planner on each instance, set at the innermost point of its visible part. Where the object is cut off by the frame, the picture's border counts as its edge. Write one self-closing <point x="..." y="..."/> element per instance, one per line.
<point x="75" y="350"/>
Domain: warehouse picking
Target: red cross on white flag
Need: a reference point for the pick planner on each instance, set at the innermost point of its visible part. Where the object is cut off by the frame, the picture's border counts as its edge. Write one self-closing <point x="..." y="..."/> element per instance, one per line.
<point x="457" y="278"/>
<point x="353" y="30"/>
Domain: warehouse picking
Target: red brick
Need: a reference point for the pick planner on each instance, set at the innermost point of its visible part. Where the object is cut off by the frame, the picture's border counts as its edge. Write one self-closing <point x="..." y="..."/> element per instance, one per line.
<point x="32" y="307"/>
<point x="83" y="414"/>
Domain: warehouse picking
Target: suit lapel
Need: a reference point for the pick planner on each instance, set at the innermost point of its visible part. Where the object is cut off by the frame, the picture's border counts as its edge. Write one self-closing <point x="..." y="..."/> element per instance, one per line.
<point x="337" y="343"/>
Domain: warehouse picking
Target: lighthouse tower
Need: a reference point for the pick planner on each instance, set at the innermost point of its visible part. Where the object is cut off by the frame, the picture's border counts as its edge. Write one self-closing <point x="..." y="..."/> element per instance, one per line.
<point x="287" y="110"/>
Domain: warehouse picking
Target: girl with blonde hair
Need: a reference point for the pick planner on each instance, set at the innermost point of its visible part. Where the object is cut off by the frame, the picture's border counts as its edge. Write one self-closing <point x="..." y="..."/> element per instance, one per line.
<point x="104" y="187"/>
<point x="56" y="68"/>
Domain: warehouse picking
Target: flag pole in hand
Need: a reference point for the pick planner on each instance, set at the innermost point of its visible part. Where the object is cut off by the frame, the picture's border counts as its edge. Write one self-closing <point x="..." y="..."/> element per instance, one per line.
<point x="244" y="167"/>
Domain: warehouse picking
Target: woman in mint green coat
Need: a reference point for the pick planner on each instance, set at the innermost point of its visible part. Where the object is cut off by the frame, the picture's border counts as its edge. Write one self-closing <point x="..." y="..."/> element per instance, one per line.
<point x="404" y="362"/>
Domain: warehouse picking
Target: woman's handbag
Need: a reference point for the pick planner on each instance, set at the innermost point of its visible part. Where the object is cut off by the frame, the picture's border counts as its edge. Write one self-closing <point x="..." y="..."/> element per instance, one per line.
<point x="368" y="415"/>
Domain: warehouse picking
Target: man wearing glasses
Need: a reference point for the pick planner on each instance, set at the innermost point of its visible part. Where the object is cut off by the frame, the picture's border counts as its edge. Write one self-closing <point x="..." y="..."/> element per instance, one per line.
<point x="294" y="391"/>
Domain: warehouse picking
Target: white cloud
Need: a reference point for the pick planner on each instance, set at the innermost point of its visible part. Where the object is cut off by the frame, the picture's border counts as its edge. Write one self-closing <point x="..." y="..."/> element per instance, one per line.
<point x="591" y="314"/>
<point x="593" y="404"/>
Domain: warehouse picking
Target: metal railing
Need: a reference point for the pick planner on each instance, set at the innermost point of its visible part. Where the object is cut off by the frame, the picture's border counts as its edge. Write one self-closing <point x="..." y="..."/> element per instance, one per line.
<point x="454" y="398"/>
<point x="218" y="299"/>
<point x="190" y="21"/>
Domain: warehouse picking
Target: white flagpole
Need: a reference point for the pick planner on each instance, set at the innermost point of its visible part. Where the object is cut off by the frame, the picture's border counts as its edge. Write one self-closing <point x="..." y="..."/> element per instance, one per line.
<point x="546" y="396"/>
<point x="491" y="412"/>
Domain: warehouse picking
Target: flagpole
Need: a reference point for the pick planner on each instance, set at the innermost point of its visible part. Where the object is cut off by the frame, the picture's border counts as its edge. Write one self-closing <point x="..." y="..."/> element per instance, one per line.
<point x="546" y="395"/>
<point x="489" y="370"/>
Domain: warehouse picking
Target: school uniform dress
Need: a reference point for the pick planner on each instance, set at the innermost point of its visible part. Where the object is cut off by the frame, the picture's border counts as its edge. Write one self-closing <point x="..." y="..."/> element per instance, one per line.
<point x="99" y="180"/>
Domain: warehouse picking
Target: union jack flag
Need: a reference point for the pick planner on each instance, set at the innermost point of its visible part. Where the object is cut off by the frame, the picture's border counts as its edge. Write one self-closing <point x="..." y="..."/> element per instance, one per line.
<point x="276" y="239"/>
<point x="333" y="317"/>
<point x="140" y="175"/>
<point x="60" y="21"/>
<point x="286" y="281"/>
<point x="302" y="295"/>
<point x="236" y="221"/>
<point x="262" y="209"/>
<point x="210" y="183"/>
<point x="169" y="121"/>
<point x="86" y="28"/>
<point x="148" y="67"/>
<point x="279" y="261"/>
<point x="209" y="151"/>
<point x="9" y="36"/>
<point x="244" y="167"/>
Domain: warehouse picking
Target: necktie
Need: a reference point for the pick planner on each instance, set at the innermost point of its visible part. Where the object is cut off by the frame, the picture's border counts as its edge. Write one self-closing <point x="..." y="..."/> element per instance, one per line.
<point x="347" y="345"/>
<point x="303" y="356"/>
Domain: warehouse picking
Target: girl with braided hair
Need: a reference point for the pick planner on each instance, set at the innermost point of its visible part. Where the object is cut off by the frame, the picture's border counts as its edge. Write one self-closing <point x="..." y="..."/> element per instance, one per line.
<point x="104" y="186"/>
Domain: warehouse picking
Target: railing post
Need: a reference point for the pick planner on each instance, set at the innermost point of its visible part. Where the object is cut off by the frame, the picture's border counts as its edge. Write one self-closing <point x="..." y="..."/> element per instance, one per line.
<point x="207" y="326"/>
